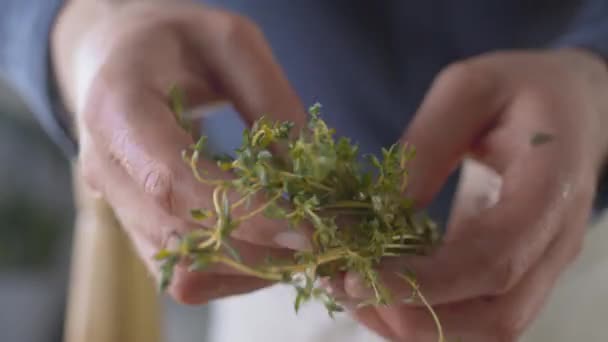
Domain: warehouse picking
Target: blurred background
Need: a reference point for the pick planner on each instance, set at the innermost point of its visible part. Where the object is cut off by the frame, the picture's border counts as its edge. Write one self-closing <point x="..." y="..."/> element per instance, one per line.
<point x="36" y="214"/>
<point x="36" y="219"/>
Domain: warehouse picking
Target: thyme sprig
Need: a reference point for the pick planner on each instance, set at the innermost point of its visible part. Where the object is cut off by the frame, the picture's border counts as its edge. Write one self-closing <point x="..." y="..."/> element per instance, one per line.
<point x="355" y="206"/>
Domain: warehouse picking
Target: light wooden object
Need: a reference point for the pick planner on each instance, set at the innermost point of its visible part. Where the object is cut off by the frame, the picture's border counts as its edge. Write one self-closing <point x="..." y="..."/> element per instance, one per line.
<point x="111" y="297"/>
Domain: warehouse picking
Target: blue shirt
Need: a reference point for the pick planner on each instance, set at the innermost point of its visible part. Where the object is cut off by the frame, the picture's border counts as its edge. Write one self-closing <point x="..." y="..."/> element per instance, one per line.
<point x="368" y="62"/>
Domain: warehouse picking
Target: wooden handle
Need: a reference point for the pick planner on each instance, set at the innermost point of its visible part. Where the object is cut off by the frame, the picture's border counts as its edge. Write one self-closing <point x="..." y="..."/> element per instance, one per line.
<point x="111" y="296"/>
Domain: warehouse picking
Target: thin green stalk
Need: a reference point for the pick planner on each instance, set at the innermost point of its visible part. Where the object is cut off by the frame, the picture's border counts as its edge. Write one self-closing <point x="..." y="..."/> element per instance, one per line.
<point x="428" y="306"/>
<point x="259" y="209"/>
<point x="194" y="167"/>
<point x="348" y="205"/>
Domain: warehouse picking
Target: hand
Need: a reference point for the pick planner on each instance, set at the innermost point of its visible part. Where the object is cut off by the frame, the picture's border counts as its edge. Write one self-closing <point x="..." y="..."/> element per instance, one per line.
<point x="117" y="80"/>
<point x="536" y="123"/>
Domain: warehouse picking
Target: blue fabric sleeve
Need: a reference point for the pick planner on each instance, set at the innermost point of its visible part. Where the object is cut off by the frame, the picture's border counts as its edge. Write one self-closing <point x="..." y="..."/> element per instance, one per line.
<point x="25" y="26"/>
<point x="589" y="29"/>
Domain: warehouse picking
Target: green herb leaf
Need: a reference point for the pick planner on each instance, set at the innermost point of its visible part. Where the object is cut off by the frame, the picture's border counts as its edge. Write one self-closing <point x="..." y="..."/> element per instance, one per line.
<point x="176" y="103"/>
<point x="273" y="211"/>
<point x="300" y="298"/>
<point x="200" y="144"/>
<point x="201" y="214"/>
<point x="166" y="271"/>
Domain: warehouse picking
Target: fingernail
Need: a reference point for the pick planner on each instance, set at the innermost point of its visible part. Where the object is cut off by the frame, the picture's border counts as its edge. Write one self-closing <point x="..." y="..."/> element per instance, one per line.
<point x="293" y="240"/>
<point x="356" y="286"/>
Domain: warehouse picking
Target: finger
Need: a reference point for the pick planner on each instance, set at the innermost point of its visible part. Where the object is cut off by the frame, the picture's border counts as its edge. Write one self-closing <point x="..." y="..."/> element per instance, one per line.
<point x="241" y="68"/>
<point x="133" y="124"/>
<point x="246" y="71"/>
<point x="218" y="281"/>
<point x="139" y="132"/>
<point x="461" y="105"/>
<point x="148" y="235"/>
<point x="158" y="230"/>
<point x="502" y="318"/>
<point x="200" y="288"/>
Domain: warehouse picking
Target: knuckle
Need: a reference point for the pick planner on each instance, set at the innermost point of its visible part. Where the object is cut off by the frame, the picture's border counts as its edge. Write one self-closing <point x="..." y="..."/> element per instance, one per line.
<point x="158" y="183"/>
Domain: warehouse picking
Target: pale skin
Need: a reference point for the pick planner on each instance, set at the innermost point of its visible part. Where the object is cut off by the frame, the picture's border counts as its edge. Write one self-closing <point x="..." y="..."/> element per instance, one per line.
<point x="506" y="244"/>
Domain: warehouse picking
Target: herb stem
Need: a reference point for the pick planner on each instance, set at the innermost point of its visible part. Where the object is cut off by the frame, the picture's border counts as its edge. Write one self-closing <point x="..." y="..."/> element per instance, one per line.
<point x="404" y="236"/>
<point x="348" y="205"/>
<point x="246" y="269"/>
<point x="259" y="209"/>
<point x="208" y="243"/>
<point x="307" y="180"/>
<point x="216" y="202"/>
<point x="426" y="303"/>
<point x="400" y="246"/>
<point x="275" y="273"/>
<point x="197" y="175"/>
<point x="243" y="199"/>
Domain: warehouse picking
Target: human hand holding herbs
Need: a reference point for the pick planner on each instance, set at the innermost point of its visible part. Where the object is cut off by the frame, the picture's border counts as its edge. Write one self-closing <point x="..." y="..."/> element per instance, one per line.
<point x="538" y="122"/>
<point x="116" y="77"/>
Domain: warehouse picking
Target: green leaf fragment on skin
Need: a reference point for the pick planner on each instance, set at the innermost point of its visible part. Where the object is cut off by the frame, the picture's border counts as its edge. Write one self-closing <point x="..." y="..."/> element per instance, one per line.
<point x="540" y="138"/>
<point x="162" y="254"/>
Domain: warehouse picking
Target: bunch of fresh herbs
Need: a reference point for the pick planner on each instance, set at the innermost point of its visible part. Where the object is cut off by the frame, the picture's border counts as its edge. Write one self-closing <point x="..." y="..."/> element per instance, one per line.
<point x="355" y="206"/>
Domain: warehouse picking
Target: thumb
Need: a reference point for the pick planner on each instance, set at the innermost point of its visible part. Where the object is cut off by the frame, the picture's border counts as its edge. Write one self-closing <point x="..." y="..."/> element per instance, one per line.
<point x="462" y="104"/>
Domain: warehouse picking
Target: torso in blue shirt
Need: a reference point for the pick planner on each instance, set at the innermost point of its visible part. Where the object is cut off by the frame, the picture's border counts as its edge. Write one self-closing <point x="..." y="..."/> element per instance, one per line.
<point x="370" y="62"/>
